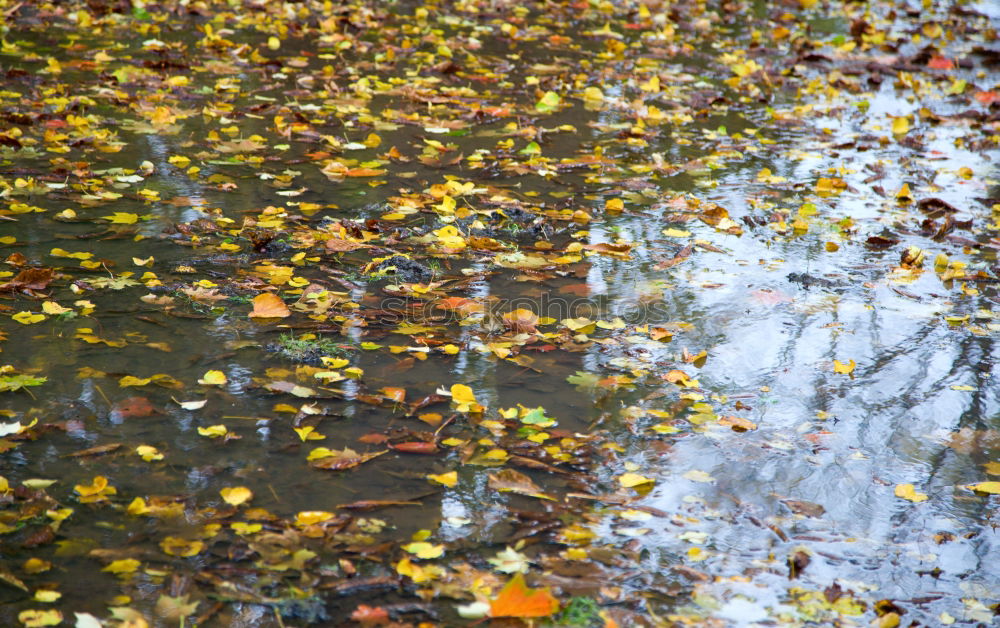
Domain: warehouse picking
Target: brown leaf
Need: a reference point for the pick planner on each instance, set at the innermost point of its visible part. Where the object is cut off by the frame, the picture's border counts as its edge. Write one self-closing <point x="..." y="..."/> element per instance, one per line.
<point x="372" y="504"/>
<point x="807" y="509"/>
<point x="269" y="305"/>
<point x="30" y="279"/>
<point x="336" y="245"/>
<point x="100" y="450"/>
<point x="739" y="424"/>
<point x="511" y="481"/>
<point x="344" y="459"/>
<point x="797" y="562"/>
<point x="133" y="407"/>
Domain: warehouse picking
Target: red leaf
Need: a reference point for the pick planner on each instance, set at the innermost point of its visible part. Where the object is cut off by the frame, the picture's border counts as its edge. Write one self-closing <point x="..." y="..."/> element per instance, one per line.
<point x="940" y="63"/>
<point x="134" y="407"/>
<point x="416" y="447"/>
<point x="987" y="98"/>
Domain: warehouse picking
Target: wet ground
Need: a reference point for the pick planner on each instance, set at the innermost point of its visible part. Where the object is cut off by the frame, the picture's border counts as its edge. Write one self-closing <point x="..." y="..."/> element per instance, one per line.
<point x="721" y="282"/>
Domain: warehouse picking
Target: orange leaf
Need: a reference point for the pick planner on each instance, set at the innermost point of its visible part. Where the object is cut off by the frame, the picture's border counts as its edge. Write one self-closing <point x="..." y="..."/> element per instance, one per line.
<point x="363" y="172"/>
<point x="517" y="600"/>
<point x="987" y="98"/>
<point x="394" y="394"/>
<point x="269" y="305"/>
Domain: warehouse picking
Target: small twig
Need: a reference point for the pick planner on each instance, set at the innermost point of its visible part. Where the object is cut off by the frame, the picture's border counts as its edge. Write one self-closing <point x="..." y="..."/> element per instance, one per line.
<point x="105" y="397"/>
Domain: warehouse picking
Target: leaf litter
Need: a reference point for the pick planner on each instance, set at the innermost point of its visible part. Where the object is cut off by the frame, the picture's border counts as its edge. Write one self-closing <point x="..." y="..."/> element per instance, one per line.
<point x="346" y="223"/>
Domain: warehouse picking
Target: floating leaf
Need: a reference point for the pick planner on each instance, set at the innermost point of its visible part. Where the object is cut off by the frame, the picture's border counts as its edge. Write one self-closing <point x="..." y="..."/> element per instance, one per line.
<point x="449" y="479"/>
<point x="511" y="481"/>
<point x="510" y="561"/>
<point x="340" y="460"/>
<point x="844" y="368"/>
<point x="269" y="305"/>
<point x="424" y="550"/>
<point x="907" y="491"/>
<point x="213" y="378"/>
<point x="236" y="495"/>
<point x="125" y="565"/>
<point x="992" y="488"/>
<point x="517" y="600"/>
<point x="463" y="397"/>
<point x="28" y="318"/>
<point x="548" y="102"/>
<point x="176" y="546"/>
<point x="629" y="480"/>
<point x="37" y="619"/>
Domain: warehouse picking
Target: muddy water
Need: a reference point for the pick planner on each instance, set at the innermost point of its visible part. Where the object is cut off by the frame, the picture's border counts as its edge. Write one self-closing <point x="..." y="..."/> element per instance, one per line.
<point x="772" y="307"/>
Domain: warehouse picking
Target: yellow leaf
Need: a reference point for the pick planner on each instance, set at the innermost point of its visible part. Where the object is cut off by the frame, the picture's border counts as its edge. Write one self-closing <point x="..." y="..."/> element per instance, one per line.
<point x="36" y="619"/>
<point x="125" y="565"/>
<point x="629" y="480"/>
<point x="906" y="491"/>
<point x="47" y="596"/>
<point x="676" y="233"/>
<point x="130" y="380"/>
<point x="36" y="565"/>
<point x="148" y="453"/>
<point x="696" y="475"/>
<point x="900" y="125"/>
<point x="308" y="433"/>
<point x="242" y="528"/>
<point x="236" y="495"/>
<point x="213" y="378"/>
<point x="448" y="479"/>
<point x="54" y="309"/>
<point x="27" y="318"/>
<point x="422" y="549"/>
<point x="417" y="573"/>
<point x="312" y="517"/>
<point x="463" y="396"/>
<point x="138" y="507"/>
<point x="98" y="486"/>
<point x="844" y="368"/>
<point x="273" y="43"/>
<point x="176" y="546"/>
<point x="122" y="218"/>
<point x="985" y="487"/>
<point x="213" y="431"/>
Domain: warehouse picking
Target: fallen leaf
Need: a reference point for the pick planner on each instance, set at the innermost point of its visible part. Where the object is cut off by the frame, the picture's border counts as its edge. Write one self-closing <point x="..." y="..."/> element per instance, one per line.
<point x="236" y="495"/>
<point x="511" y="481"/>
<point x="517" y="600"/>
<point x="269" y="305"/>
<point x="907" y="491"/>
<point x="992" y="488"/>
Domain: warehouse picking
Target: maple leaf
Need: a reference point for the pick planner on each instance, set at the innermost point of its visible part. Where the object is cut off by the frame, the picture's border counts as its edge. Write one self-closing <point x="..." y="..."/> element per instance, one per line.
<point x="517" y="600"/>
